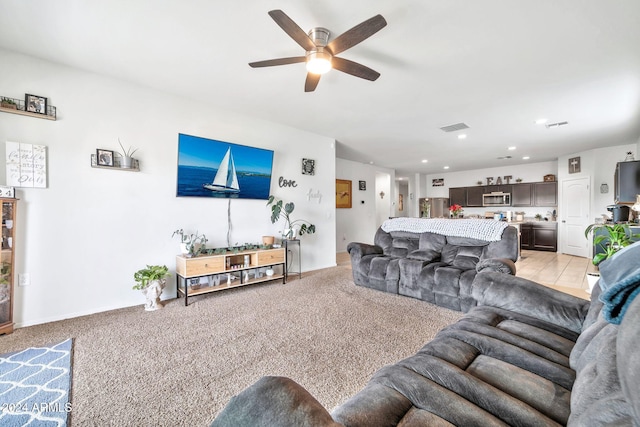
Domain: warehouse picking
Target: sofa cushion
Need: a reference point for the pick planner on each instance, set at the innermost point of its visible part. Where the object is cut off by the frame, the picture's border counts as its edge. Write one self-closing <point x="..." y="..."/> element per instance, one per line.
<point x="426" y="255"/>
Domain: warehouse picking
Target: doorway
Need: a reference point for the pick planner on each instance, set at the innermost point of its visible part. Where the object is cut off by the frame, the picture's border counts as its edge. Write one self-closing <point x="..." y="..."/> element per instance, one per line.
<point x="575" y="208"/>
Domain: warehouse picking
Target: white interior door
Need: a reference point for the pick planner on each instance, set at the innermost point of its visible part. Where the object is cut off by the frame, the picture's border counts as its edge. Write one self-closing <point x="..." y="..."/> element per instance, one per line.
<point x="574" y="213"/>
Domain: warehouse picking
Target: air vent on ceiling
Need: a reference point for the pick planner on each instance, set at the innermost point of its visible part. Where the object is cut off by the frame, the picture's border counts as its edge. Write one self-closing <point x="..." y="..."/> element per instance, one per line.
<point x="453" y="128"/>
<point x="503" y="157"/>
<point x="556" y="125"/>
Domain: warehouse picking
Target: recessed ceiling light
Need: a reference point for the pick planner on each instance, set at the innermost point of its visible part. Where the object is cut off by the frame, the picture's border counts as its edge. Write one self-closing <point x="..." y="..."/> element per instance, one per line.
<point x="462" y="136"/>
<point x="371" y="162"/>
<point x="446" y="167"/>
<point x="525" y="158"/>
<point x="541" y="121"/>
<point x="425" y="161"/>
<point x="512" y="148"/>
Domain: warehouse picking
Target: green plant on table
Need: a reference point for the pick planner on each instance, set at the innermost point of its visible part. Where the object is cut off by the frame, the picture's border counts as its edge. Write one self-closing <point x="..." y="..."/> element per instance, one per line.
<point x="8" y="101"/>
<point x="279" y="209"/>
<point x="617" y="237"/>
<point x="146" y="275"/>
<point x="190" y="241"/>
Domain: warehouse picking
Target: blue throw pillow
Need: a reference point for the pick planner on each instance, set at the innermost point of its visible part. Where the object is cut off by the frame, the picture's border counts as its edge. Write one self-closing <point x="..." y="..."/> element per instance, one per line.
<point x="620" y="282"/>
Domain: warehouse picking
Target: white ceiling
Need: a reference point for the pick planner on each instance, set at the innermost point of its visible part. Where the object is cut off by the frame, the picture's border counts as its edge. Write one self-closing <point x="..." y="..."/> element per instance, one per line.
<point x="496" y="65"/>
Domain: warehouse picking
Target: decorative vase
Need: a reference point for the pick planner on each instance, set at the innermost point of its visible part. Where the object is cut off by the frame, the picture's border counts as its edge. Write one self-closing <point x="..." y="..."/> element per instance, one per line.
<point x="7" y="105"/>
<point x="592" y="279"/>
<point x="269" y="272"/>
<point x="629" y="157"/>
<point x="152" y="294"/>
<point x="268" y="240"/>
<point x="126" y="162"/>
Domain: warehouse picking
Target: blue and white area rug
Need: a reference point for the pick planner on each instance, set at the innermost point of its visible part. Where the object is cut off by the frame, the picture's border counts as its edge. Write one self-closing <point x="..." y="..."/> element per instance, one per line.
<point x="35" y="385"/>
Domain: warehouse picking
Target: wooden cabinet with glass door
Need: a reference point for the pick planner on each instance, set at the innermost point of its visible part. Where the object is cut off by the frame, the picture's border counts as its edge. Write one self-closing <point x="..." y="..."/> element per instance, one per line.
<point x="7" y="264"/>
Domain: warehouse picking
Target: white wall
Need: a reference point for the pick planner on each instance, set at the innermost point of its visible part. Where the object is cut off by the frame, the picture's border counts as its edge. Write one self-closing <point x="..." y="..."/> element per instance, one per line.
<point x="359" y="224"/>
<point x="82" y="238"/>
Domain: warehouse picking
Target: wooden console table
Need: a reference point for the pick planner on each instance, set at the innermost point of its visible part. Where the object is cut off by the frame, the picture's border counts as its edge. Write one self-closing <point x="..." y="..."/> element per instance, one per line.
<point x="226" y="271"/>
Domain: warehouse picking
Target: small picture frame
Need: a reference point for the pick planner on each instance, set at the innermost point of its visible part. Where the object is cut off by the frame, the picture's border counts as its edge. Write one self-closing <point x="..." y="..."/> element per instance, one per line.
<point x="308" y="167"/>
<point x="35" y="103"/>
<point x="7" y="192"/>
<point x="104" y="157"/>
<point x="362" y="185"/>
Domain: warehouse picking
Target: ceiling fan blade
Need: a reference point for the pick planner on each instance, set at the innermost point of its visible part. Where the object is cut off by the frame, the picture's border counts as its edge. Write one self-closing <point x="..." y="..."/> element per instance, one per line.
<point x="311" y="82"/>
<point x="357" y="34"/>
<point x="279" y="61"/>
<point x="354" y="69"/>
<point x="291" y="28"/>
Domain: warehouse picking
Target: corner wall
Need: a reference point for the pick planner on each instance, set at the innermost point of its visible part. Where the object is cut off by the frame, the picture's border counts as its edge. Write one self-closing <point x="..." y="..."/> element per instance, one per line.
<point x="82" y="238"/>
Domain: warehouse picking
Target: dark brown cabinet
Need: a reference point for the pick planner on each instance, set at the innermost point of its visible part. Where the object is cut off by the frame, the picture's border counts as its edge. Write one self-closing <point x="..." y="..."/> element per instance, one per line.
<point x="539" y="236"/>
<point x="474" y="196"/>
<point x="458" y="196"/>
<point x="545" y="194"/>
<point x="522" y="194"/>
<point x="627" y="181"/>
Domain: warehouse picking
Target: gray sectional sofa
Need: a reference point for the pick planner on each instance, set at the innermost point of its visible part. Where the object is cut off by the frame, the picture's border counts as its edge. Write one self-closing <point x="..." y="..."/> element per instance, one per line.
<point x="526" y="355"/>
<point x="437" y="266"/>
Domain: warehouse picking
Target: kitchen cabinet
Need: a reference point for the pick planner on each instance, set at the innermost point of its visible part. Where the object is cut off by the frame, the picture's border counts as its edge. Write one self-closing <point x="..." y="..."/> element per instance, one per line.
<point x="458" y="196"/>
<point x="539" y="236"/>
<point x="627" y="181"/>
<point x="474" y="196"/>
<point x="545" y="194"/>
<point x="522" y="194"/>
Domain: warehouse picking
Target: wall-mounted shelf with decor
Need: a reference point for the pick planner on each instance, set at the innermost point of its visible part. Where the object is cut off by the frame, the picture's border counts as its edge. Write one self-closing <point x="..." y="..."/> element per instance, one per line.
<point x="21" y="110"/>
<point x="135" y="166"/>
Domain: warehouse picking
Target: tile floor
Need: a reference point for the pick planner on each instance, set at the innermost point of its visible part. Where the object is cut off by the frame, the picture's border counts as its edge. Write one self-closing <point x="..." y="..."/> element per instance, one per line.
<point x="566" y="273"/>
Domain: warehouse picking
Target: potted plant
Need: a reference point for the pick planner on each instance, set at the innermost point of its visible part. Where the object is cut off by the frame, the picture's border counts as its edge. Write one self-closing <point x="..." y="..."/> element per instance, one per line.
<point x="455" y="210"/>
<point x="8" y="103"/>
<point x="279" y="209"/>
<point x="613" y="238"/>
<point x="190" y="244"/>
<point x="151" y="281"/>
<point x="127" y="156"/>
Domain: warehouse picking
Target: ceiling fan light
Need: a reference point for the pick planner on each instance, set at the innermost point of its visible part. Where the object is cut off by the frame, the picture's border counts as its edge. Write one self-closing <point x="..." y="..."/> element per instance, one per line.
<point x="318" y="62"/>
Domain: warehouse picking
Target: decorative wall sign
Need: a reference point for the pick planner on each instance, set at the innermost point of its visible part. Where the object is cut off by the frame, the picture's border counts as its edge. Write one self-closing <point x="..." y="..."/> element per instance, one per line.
<point x="282" y="182"/>
<point x="437" y="182"/>
<point x="308" y="167"/>
<point x="574" y="165"/>
<point x="26" y="165"/>
<point x="362" y="185"/>
<point x="343" y="193"/>
<point x="314" y="195"/>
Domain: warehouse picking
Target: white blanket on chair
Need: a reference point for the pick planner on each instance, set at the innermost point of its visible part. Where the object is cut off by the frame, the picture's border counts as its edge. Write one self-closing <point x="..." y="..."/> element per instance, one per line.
<point x="481" y="229"/>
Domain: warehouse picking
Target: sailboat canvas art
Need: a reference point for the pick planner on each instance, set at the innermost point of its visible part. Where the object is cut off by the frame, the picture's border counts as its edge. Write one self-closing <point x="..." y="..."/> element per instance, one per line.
<point x="218" y="169"/>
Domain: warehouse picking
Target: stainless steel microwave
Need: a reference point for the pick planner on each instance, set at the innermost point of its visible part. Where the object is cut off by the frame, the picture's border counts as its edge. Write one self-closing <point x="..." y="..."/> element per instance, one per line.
<point x="496" y="199"/>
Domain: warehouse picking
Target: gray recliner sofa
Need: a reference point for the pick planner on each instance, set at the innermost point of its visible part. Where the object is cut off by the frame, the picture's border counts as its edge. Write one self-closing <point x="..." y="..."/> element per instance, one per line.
<point x="527" y="355"/>
<point x="434" y="267"/>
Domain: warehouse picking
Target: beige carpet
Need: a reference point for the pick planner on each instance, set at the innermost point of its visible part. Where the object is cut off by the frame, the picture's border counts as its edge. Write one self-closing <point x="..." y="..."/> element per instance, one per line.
<point x="181" y="365"/>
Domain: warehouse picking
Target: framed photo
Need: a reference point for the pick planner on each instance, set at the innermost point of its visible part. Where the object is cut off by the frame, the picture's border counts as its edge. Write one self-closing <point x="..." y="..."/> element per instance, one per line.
<point x="437" y="182"/>
<point x="6" y="191"/>
<point x="574" y="165"/>
<point x="362" y="185"/>
<point x="308" y="167"/>
<point x="104" y="157"/>
<point x="35" y="104"/>
<point x="343" y="193"/>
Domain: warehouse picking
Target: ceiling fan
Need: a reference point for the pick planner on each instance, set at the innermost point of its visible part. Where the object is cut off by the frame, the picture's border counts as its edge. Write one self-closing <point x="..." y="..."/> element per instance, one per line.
<point x="320" y="53"/>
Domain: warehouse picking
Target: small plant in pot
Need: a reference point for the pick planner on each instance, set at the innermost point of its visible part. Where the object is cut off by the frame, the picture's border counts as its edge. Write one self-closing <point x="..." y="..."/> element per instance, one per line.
<point x="613" y="238"/>
<point x="190" y="244"/>
<point x="292" y="229"/>
<point x="127" y="156"/>
<point x="8" y="103"/>
<point x="151" y="281"/>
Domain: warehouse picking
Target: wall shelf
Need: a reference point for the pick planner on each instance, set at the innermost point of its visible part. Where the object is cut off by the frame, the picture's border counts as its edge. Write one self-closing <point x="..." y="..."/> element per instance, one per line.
<point x="135" y="166"/>
<point x="21" y="110"/>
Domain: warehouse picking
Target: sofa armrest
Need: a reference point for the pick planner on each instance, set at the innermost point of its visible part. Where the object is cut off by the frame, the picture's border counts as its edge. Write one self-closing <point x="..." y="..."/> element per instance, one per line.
<point x="358" y="250"/>
<point x="529" y="298"/>
<point x="498" y="265"/>
<point x="274" y="401"/>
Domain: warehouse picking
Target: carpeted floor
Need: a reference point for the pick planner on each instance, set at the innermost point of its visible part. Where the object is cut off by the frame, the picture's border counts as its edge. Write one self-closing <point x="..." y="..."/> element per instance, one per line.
<point x="181" y="365"/>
